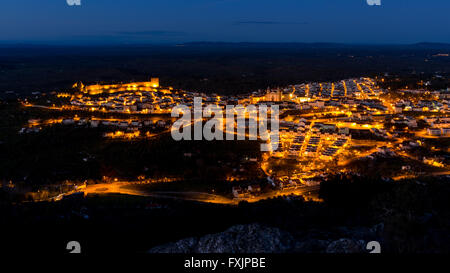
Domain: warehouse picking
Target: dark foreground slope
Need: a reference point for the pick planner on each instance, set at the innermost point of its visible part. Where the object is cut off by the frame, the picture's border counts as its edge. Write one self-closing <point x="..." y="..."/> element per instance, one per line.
<point x="405" y="217"/>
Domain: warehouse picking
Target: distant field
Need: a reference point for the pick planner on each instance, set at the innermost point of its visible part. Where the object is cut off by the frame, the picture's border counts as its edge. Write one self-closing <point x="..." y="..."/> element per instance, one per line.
<point x="222" y="68"/>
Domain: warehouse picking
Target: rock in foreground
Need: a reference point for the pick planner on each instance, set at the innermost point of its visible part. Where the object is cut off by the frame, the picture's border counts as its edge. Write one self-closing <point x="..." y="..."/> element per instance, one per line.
<point x="252" y="238"/>
<point x="256" y="238"/>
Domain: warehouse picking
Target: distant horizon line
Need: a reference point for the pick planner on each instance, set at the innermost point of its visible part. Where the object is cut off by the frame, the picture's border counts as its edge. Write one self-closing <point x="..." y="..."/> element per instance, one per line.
<point x="95" y="44"/>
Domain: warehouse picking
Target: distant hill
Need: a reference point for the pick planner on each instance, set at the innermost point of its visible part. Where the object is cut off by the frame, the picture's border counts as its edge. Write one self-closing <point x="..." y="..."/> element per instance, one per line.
<point x="432" y="45"/>
<point x="211" y="67"/>
<point x="325" y="45"/>
<point x="422" y="45"/>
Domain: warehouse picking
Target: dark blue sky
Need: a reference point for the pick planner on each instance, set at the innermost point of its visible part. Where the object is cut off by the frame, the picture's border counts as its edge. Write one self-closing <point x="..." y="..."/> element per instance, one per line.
<point x="162" y="21"/>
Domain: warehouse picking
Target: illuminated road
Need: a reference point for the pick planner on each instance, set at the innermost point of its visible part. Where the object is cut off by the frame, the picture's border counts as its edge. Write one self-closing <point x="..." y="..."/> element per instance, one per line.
<point x="401" y="177"/>
<point x="128" y="189"/>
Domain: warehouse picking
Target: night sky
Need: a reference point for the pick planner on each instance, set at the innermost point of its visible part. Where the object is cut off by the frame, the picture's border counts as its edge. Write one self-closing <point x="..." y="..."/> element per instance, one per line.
<point x="175" y="21"/>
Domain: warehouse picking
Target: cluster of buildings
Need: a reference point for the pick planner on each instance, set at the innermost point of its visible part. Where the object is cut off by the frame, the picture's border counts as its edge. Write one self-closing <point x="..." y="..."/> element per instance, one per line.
<point x="137" y="97"/>
<point x="116" y="128"/>
<point x="421" y="106"/>
<point x="319" y="122"/>
<point x="245" y="192"/>
<point x="317" y="141"/>
<point x="140" y="98"/>
<point x="439" y="126"/>
<point x="326" y="114"/>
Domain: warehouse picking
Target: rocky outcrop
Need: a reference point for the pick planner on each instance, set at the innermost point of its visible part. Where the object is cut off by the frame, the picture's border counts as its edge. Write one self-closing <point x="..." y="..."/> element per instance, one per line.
<point x="255" y="238"/>
<point x="346" y="246"/>
<point x="238" y="239"/>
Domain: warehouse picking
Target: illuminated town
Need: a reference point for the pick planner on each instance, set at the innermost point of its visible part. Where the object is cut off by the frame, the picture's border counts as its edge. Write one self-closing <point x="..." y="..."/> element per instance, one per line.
<point x="325" y="128"/>
<point x="221" y="136"/>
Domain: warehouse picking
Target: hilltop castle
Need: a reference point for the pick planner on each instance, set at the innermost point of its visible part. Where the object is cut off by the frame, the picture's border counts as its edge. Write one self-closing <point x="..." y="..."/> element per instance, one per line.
<point x="113" y="88"/>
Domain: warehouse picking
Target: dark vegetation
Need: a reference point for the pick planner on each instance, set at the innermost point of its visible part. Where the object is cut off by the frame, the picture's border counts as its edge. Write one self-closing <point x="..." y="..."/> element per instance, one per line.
<point x="414" y="214"/>
<point x="59" y="153"/>
<point x="222" y="68"/>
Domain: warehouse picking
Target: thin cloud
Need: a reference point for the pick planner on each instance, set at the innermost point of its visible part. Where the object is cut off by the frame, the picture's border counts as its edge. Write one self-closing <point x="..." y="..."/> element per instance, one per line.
<point x="268" y="23"/>
<point x="158" y="33"/>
